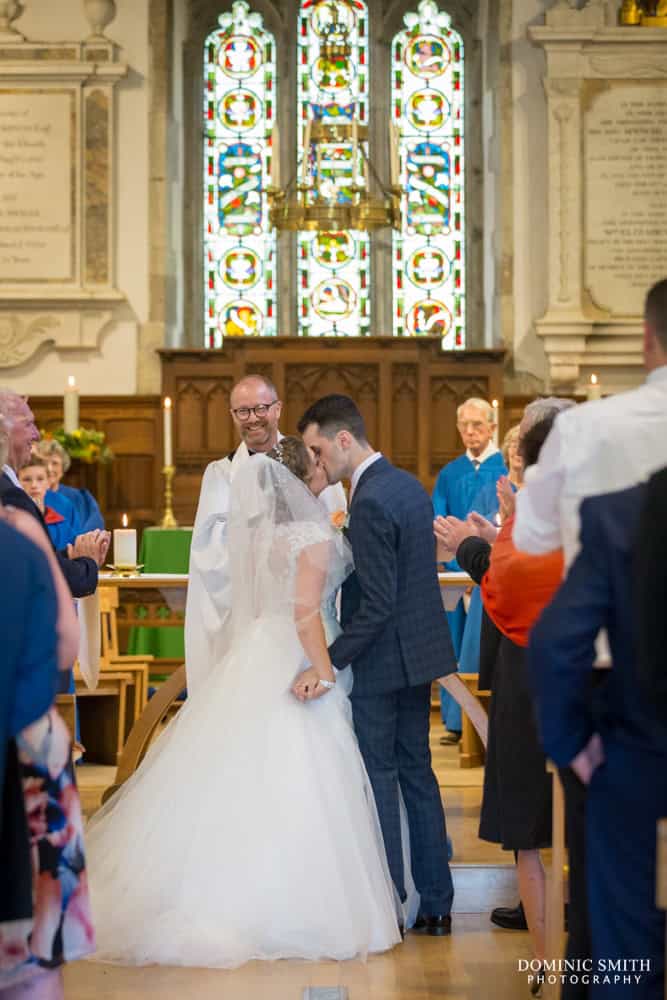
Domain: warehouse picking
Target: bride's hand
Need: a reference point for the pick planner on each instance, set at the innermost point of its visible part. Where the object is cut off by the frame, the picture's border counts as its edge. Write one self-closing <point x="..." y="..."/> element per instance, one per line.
<point x="307" y="686"/>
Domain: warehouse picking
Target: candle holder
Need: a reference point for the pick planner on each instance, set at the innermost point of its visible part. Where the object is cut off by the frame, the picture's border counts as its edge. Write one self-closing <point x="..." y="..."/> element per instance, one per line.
<point x="168" y="520"/>
<point x="125" y="571"/>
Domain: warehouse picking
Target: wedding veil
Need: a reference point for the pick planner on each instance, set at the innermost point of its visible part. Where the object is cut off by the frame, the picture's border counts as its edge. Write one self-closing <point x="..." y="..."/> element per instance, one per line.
<point x="286" y="559"/>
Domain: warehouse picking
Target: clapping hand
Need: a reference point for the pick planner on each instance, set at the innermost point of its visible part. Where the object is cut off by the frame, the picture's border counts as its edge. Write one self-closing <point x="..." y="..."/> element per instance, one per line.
<point x="93" y="545"/>
<point x="449" y="533"/>
<point x="481" y="527"/>
<point x="506" y="498"/>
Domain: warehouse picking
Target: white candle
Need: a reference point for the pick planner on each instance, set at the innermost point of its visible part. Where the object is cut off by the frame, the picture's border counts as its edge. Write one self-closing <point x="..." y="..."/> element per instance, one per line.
<point x="125" y="545"/>
<point x="168" y="445"/>
<point x="355" y="151"/>
<point x="494" y="404"/>
<point x="594" y="389"/>
<point x="71" y="406"/>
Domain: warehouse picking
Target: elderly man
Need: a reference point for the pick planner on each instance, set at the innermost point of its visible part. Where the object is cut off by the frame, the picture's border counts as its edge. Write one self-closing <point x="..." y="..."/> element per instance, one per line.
<point x="80" y="561"/>
<point x="255" y="409"/>
<point x="468" y="484"/>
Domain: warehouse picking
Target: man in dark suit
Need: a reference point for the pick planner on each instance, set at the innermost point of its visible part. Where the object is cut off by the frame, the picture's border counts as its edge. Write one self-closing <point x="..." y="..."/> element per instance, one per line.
<point x="80" y="562"/>
<point x="651" y="586"/>
<point x="610" y="737"/>
<point x="397" y="640"/>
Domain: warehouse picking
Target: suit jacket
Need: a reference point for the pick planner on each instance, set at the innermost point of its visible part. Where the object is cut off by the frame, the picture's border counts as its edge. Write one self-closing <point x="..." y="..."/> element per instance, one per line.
<point x="598" y="592"/>
<point x="395" y="632"/>
<point x="81" y="573"/>
<point x="651" y="593"/>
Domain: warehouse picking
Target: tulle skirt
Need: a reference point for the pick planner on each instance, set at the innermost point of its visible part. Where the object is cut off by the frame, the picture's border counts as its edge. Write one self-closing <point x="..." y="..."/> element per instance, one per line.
<point x="248" y="832"/>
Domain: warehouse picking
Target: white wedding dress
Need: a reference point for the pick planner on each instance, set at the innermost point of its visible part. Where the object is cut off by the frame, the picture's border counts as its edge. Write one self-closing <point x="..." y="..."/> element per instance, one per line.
<point x="250" y="829"/>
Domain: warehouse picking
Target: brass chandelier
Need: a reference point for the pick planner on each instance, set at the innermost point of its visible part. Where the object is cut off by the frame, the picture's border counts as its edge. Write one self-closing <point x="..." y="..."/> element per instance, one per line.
<point x="332" y="190"/>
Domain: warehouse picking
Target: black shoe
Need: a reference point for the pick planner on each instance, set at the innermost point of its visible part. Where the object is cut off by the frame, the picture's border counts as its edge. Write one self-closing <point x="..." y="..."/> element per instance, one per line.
<point x="435" y="924"/>
<point x="449" y="739"/>
<point x="511" y="918"/>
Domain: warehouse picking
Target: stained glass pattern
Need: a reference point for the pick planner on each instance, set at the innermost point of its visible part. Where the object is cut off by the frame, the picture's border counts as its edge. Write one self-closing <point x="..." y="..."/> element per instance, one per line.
<point x="428" y="112"/>
<point x="238" y="117"/>
<point x="333" y="267"/>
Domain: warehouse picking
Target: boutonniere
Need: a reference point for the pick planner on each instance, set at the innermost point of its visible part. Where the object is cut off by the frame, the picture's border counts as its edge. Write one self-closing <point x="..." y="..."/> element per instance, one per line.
<point x="340" y="520"/>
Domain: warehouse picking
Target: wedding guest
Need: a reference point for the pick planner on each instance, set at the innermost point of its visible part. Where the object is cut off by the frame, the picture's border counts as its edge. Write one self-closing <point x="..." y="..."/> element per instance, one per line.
<point x="512" y="457"/>
<point x="44" y="910"/>
<point x="79" y="562"/>
<point x="85" y="504"/>
<point x="63" y="525"/>
<point x="651" y="593"/>
<point x="464" y="485"/>
<point x="595" y="448"/>
<point x="516" y="803"/>
<point x="609" y="735"/>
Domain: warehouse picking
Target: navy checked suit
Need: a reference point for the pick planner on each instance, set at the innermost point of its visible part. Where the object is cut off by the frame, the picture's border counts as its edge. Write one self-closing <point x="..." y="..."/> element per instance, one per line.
<point x="397" y="639"/>
<point x="628" y="792"/>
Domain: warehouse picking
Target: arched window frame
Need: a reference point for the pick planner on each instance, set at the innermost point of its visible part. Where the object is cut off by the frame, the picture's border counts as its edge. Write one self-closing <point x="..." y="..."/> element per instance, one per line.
<point x="281" y="19"/>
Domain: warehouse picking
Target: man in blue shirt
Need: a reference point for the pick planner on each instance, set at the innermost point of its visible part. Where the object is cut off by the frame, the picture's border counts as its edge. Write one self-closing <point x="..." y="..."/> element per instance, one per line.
<point x="468" y="484"/>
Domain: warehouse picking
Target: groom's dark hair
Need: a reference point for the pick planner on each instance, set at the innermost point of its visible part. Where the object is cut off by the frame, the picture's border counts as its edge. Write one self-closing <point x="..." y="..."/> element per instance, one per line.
<point x="335" y="413"/>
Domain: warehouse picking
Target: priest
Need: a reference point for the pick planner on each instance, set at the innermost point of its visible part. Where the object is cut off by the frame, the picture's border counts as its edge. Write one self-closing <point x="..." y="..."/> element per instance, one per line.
<point x="255" y="409"/>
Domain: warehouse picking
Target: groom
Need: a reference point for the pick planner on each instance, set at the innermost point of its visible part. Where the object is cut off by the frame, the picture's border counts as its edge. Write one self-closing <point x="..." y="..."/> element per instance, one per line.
<point x="397" y="640"/>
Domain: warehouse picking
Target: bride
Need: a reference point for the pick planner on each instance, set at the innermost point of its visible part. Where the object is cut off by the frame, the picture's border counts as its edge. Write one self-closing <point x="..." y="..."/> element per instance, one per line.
<point x="250" y="830"/>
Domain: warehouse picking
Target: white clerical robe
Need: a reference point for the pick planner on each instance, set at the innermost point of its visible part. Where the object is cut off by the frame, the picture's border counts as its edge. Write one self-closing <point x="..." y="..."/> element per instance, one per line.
<point x="209" y="598"/>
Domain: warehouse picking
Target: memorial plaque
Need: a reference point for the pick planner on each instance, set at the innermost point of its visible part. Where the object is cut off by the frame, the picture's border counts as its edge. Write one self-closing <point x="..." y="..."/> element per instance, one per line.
<point x="625" y="209"/>
<point x="37" y="186"/>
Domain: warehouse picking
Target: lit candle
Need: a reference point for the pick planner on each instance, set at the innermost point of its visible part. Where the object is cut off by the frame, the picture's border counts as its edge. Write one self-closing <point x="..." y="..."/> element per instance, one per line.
<point x="125" y="545"/>
<point x="168" y="447"/>
<point x="594" y="389"/>
<point x="71" y="406"/>
<point x="494" y="404"/>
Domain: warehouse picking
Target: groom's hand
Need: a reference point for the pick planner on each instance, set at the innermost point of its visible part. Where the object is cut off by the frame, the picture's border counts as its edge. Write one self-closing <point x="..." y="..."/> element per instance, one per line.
<point x="306" y="686"/>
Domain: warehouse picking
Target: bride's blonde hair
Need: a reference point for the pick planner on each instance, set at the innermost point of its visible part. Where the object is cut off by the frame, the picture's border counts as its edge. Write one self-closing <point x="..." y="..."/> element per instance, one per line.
<point x="293" y="454"/>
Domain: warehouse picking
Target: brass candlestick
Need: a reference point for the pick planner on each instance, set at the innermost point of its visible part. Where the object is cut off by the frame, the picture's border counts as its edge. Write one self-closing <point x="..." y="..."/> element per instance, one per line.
<point x="168" y="521"/>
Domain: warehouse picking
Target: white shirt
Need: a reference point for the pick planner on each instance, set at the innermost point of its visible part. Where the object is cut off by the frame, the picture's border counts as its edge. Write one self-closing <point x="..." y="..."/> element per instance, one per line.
<point x="360" y="469"/>
<point x="598" y="447"/>
<point x="490" y="450"/>
<point x="7" y="469"/>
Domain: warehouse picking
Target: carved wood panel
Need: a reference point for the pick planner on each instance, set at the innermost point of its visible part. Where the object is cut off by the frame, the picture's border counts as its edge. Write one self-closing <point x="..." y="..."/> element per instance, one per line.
<point x="132" y="483"/>
<point x="407" y="390"/>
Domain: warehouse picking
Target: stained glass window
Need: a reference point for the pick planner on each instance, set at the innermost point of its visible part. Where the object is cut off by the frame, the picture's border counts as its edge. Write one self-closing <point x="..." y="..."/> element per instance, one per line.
<point x="239" y="246"/>
<point x="333" y="267"/>
<point x="428" y="112"/>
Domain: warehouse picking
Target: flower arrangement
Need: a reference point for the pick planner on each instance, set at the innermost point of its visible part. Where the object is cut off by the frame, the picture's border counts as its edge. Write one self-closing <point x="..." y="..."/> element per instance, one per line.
<point x="86" y="444"/>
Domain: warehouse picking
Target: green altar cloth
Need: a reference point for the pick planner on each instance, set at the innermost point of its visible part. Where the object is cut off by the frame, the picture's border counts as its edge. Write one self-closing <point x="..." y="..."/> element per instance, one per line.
<point x="163" y="550"/>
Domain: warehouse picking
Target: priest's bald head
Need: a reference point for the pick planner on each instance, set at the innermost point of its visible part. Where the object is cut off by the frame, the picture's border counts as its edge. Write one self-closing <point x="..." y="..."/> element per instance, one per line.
<point x="655" y="326"/>
<point x="255" y="410"/>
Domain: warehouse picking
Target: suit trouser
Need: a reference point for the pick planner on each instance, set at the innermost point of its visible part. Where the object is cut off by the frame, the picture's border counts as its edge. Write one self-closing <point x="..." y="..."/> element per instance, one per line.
<point x="579" y="935"/>
<point x="626" y="797"/>
<point x="393" y="734"/>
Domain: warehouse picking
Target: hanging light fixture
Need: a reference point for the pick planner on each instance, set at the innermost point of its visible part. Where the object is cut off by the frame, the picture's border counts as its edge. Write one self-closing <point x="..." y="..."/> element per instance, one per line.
<point x="332" y="189"/>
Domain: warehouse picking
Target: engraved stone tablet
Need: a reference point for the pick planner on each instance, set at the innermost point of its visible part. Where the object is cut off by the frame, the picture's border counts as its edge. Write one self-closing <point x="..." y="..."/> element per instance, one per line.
<point x="37" y="185"/>
<point x="625" y="208"/>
